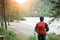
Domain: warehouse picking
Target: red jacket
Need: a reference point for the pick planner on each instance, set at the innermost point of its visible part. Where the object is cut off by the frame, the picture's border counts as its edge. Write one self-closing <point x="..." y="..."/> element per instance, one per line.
<point x="42" y="28"/>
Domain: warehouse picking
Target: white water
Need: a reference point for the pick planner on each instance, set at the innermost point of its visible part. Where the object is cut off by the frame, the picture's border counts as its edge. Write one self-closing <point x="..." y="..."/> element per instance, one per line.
<point x="53" y="28"/>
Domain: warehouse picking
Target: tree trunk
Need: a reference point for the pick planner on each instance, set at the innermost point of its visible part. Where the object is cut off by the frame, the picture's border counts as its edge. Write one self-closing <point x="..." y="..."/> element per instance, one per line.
<point x="3" y="10"/>
<point x="2" y="23"/>
<point x="1" y="14"/>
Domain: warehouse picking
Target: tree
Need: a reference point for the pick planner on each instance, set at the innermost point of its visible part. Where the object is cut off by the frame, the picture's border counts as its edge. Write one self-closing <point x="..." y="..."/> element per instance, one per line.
<point x="41" y="8"/>
<point x="14" y="10"/>
<point x="1" y="13"/>
<point x="56" y="8"/>
<point x="3" y="5"/>
<point x="10" y="10"/>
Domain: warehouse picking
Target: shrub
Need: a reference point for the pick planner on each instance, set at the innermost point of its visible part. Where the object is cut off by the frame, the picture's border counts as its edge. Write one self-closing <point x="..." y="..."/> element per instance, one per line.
<point x="50" y="36"/>
<point x="9" y="35"/>
<point x="33" y="37"/>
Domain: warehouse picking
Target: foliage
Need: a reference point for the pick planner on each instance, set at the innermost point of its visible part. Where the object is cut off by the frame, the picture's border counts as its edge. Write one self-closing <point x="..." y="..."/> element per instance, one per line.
<point x="50" y="8"/>
<point x="56" y="8"/>
<point x="9" y="35"/>
<point x="12" y="10"/>
<point x="32" y="37"/>
<point x="51" y="36"/>
<point x="41" y="7"/>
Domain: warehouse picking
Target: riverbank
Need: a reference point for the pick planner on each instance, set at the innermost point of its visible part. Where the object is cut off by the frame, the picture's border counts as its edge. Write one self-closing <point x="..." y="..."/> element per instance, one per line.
<point x="26" y="28"/>
<point x="22" y="30"/>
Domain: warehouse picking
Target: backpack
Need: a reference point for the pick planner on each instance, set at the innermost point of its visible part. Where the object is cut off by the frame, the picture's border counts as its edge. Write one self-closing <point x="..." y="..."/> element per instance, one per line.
<point x="41" y="28"/>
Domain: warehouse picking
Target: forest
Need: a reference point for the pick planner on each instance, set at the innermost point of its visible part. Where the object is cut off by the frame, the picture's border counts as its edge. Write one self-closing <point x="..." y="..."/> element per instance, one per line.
<point x="11" y="10"/>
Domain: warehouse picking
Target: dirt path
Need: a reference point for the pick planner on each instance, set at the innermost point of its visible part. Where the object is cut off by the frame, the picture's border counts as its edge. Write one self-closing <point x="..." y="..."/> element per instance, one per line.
<point x="21" y="29"/>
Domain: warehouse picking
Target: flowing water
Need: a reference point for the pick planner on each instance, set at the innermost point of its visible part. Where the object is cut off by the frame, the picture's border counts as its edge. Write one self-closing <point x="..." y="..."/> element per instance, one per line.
<point x="54" y="27"/>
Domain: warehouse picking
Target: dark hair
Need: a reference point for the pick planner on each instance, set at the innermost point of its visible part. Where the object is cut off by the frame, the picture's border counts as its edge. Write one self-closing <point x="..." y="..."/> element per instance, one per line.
<point x="41" y="18"/>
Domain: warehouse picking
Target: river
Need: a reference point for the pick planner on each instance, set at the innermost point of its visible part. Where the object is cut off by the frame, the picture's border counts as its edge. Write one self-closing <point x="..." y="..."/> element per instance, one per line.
<point x="54" y="27"/>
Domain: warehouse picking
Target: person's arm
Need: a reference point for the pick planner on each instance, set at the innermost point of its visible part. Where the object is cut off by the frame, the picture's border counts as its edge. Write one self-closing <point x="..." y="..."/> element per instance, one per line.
<point x="36" y="27"/>
<point x="47" y="28"/>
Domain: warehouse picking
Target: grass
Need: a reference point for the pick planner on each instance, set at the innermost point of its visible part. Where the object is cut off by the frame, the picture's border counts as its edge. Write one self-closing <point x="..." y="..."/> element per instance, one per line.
<point x="50" y="36"/>
<point x="33" y="37"/>
<point x="53" y="37"/>
<point x="9" y="35"/>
